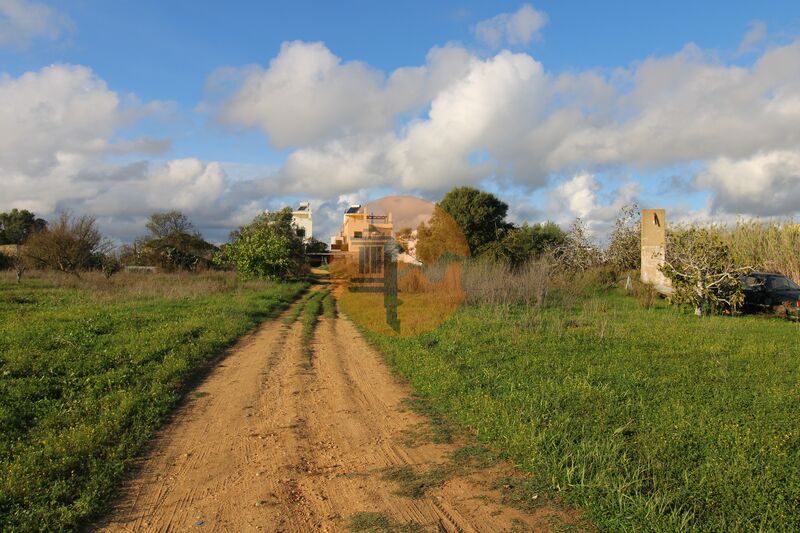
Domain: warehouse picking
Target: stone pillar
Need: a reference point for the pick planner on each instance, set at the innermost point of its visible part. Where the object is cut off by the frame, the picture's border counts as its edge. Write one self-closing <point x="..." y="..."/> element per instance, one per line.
<point x="654" y="246"/>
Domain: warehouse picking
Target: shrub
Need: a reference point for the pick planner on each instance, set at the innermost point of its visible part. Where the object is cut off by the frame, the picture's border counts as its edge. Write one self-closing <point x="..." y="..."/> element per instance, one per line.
<point x="172" y="244"/>
<point x="524" y="243"/>
<point x="578" y="252"/>
<point x="110" y="265"/>
<point x="493" y="282"/>
<point x="702" y="270"/>
<point x="69" y="245"/>
<point x="645" y="293"/>
<point x="601" y="276"/>
<point x="624" y="250"/>
<point x="267" y="247"/>
<point x="6" y="262"/>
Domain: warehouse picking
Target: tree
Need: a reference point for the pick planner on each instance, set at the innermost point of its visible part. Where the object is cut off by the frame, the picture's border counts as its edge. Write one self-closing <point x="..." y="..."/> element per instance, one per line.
<point x="169" y="224"/>
<point x="703" y="274"/>
<point x="69" y="245"/>
<point x="6" y="261"/>
<point x="267" y="247"/>
<point x="481" y="216"/>
<point x="624" y="247"/>
<point x="173" y="243"/>
<point x="134" y="253"/>
<point x="527" y="242"/>
<point x="314" y="246"/>
<point x="16" y="227"/>
<point x="579" y="252"/>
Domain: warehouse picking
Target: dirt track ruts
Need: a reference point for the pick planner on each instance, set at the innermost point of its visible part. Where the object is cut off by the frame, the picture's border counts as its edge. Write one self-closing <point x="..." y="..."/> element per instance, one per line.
<point x="282" y="438"/>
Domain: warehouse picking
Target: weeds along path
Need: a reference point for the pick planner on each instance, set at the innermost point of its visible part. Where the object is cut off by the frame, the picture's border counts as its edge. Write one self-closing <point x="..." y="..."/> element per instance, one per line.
<point x="290" y="436"/>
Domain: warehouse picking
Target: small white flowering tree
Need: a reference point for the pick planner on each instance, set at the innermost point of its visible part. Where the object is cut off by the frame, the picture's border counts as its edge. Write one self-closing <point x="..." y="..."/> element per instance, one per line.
<point x="579" y="252"/>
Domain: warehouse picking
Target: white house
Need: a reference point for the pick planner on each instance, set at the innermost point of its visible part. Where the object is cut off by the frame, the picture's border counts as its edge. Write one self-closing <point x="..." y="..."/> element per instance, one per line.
<point x="301" y="218"/>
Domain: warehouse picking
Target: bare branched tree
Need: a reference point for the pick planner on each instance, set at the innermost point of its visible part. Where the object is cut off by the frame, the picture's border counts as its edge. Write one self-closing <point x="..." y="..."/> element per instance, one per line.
<point x="624" y="245"/>
<point x="579" y="252"/>
<point x="69" y="245"/>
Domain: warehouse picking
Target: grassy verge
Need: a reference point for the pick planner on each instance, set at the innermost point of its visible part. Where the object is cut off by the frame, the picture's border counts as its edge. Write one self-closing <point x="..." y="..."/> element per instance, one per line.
<point x="311" y="313"/>
<point x="329" y="305"/>
<point x="297" y="310"/>
<point x="647" y="419"/>
<point x="88" y="372"/>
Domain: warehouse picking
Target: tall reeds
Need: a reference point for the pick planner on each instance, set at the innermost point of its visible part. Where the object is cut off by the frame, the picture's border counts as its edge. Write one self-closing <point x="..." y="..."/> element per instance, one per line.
<point x="770" y="246"/>
<point x="489" y="282"/>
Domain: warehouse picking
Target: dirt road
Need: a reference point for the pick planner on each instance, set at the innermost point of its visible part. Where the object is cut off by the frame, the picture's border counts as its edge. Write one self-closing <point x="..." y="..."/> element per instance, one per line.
<point x="282" y="437"/>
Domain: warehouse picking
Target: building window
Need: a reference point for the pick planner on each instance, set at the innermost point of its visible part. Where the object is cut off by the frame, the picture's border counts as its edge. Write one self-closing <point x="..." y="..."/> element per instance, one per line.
<point x="357" y="234"/>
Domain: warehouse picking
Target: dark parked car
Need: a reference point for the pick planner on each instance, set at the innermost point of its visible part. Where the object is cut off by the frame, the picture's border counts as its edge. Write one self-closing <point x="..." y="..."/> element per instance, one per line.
<point x="770" y="292"/>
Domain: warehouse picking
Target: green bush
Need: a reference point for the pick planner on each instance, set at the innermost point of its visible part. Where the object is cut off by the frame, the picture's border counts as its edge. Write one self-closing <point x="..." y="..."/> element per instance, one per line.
<point x="268" y="247"/>
<point x="6" y="262"/>
<point x="702" y="271"/>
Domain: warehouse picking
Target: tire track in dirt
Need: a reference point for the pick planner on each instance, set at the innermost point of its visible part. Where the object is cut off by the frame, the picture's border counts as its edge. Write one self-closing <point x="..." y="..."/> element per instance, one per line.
<point x="275" y="443"/>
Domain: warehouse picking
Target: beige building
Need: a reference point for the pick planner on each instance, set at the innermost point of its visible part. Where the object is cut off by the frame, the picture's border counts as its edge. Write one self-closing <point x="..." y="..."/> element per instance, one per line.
<point x="358" y="227"/>
<point x="654" y="248"/>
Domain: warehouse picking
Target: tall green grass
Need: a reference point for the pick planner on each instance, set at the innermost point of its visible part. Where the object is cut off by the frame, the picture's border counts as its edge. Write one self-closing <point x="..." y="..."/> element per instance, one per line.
<point x="647" y="419"/>
<point x="89" y="371"/>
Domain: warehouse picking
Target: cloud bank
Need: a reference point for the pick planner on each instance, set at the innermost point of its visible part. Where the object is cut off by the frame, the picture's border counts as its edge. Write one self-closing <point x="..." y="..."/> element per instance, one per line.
<point x="577" y="141"/>
<point x="61" y="147"/>
<point x="463" y="118"/>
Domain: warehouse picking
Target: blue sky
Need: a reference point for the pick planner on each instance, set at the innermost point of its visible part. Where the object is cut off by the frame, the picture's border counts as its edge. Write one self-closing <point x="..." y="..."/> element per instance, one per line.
<point x="179" y="72"/>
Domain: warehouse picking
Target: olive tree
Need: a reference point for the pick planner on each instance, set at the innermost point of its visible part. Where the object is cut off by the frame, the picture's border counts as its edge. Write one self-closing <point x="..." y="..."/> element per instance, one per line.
<point x="702" y="271"/>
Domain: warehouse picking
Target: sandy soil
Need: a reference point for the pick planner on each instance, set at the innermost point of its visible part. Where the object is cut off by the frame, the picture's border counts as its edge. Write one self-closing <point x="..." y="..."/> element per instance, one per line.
<point x="282" y="437"/>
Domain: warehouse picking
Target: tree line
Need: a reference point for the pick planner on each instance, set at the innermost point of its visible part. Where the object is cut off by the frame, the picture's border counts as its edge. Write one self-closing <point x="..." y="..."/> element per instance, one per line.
<point x="270" y="246"/>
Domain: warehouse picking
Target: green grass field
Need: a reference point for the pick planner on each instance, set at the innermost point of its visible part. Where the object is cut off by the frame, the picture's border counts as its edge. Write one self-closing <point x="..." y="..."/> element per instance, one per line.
<point x="646" y="419"/>
<point x="88" y="371"/>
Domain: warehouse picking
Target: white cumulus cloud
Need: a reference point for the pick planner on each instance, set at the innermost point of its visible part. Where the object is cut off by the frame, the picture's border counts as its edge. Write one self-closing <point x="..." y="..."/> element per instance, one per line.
<point x="581" y="196"/>
<point x="518" y="28"/>
<point x="766" y="184"/>
<point x="461" y="118"/>
<point x="61" y="147"/>
<point x="24" y="21"/>
<point x="307" y="94"/>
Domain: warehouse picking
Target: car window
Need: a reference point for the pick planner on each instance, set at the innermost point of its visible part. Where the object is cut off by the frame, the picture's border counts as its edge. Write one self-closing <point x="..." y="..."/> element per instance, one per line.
<point x="781" y="283"/>
<point x="752" y="282"/>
